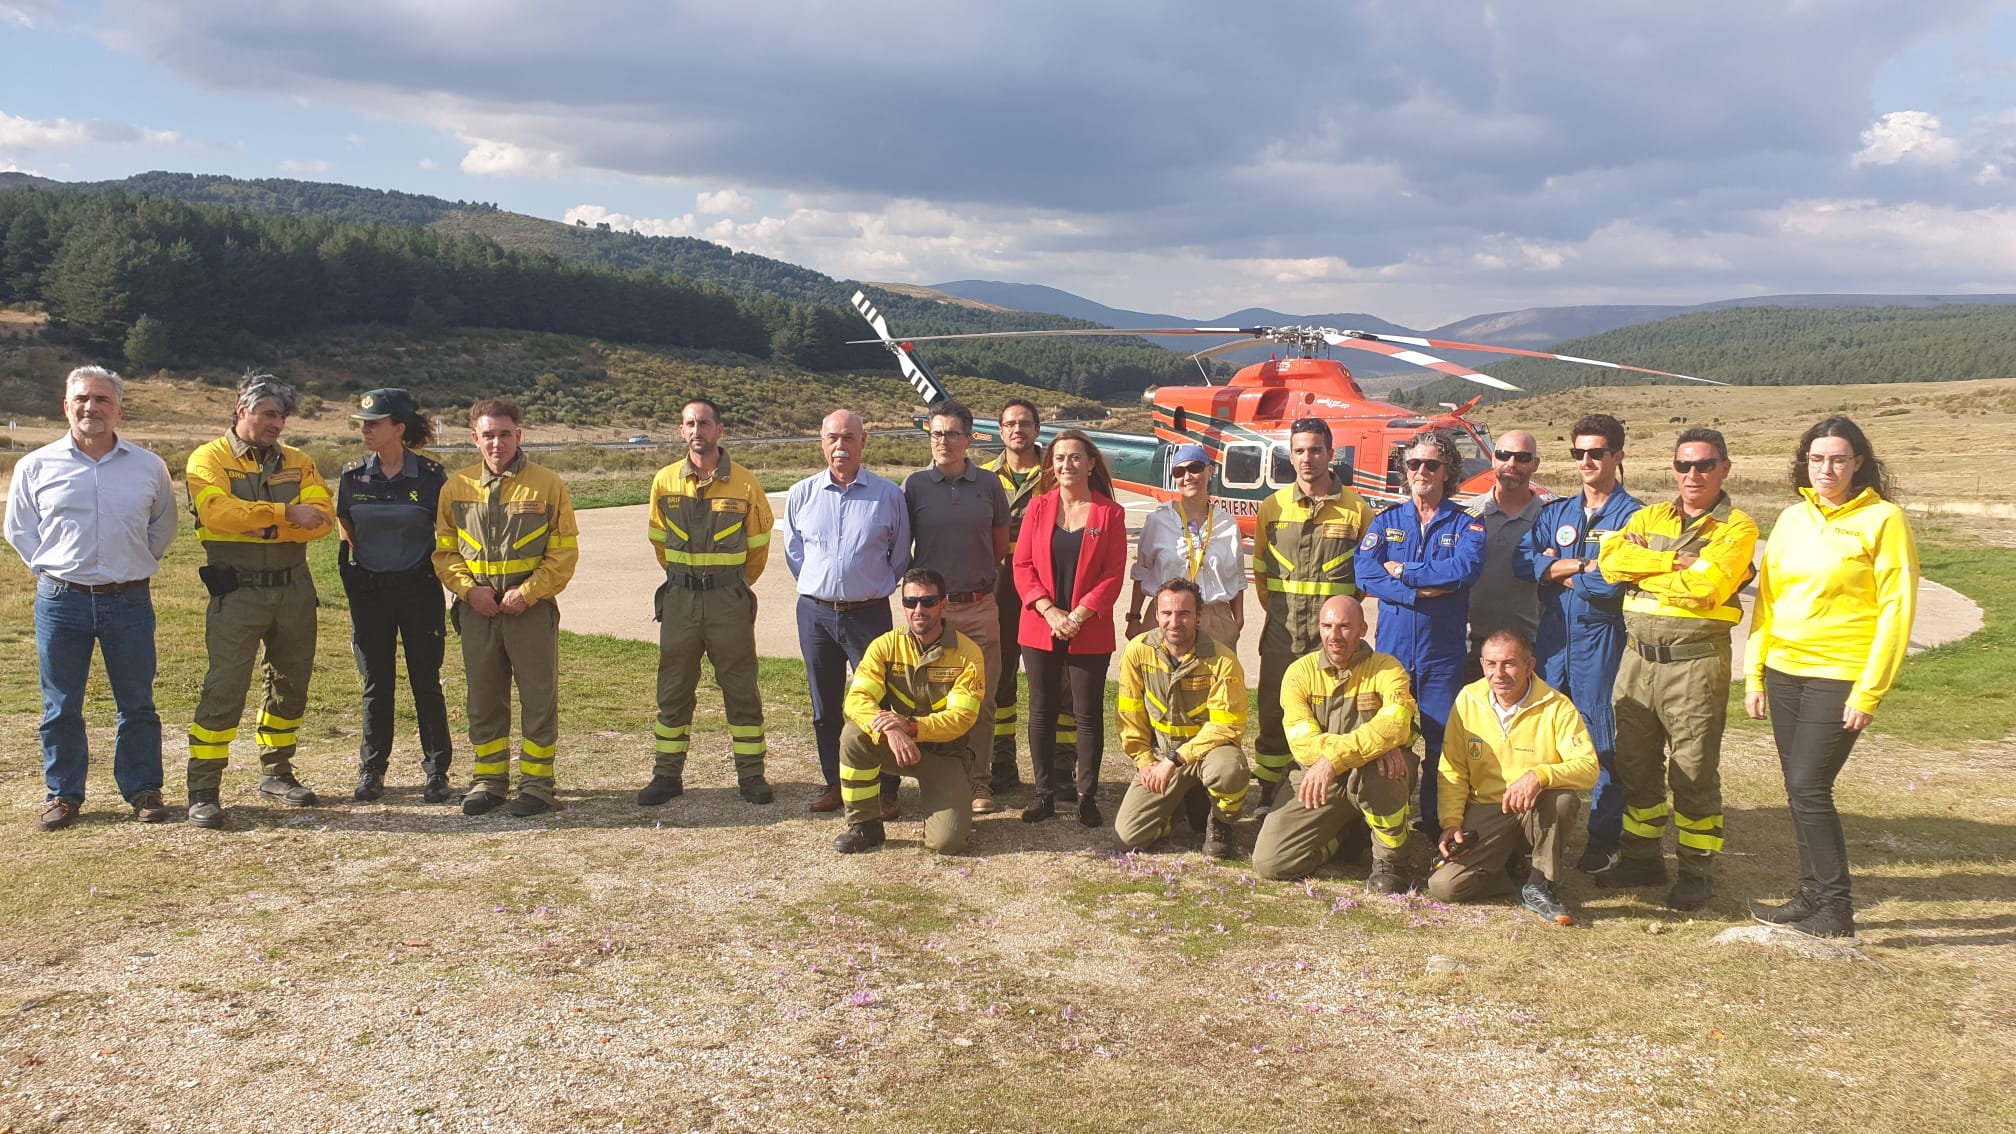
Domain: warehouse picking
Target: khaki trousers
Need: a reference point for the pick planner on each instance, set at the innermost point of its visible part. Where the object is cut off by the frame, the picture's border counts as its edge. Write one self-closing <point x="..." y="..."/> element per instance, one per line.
<point x="1481" y="871"/>
<point x="1146" y="816"/>
<point x="720" y="623"/>
<point x="497" y="651"/>
<point x="980" y="621"/>
<point x="1295" y="840"/>
<point x="1219" y="624"/>
<point x="1670" y="717"/>
<point x="942" y="781"/>
<point x="236" y="626"/>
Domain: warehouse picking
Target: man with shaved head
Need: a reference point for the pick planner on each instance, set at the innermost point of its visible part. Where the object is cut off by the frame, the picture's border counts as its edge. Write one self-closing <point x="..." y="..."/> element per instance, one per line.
<point x="1349" y="717"/>
<point x="847" y="542"/>
<point x="1501" y="598"/>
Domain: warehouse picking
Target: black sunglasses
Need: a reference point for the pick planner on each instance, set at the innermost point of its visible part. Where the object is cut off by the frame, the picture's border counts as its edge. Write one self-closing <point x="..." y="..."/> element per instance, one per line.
<point x="1707" y="465"/>
<point x="1596" y="454"/>
<point x="1416" y="464"/>
<point x="912" y="602"/>
<point x="1188" y="470"/>
<point x="1513" y="455"/>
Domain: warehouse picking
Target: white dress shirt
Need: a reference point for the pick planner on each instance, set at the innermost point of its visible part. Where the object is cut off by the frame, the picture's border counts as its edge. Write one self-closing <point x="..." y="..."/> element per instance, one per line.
<point x="1209" y="553"/>
<point x="89" y="521"/>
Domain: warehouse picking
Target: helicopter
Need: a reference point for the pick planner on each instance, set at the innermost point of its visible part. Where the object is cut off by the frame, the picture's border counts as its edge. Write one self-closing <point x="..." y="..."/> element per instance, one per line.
<point x="1244" y="423"/>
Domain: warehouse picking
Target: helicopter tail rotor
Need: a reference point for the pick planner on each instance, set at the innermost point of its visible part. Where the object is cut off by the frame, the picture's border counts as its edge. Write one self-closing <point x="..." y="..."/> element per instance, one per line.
<point x="920" y="376"/>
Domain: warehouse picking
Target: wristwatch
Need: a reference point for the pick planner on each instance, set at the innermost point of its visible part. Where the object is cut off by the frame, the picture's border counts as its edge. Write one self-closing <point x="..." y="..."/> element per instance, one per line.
<point x="1173" y="756"/>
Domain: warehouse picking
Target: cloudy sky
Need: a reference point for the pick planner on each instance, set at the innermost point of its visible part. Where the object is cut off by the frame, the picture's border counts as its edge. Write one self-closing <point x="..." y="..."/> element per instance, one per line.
<point x="1422" y="162"/>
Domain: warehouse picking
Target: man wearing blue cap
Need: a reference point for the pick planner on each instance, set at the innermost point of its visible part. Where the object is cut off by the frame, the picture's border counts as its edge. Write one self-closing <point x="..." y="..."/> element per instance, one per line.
<point x="1191" y="538"/>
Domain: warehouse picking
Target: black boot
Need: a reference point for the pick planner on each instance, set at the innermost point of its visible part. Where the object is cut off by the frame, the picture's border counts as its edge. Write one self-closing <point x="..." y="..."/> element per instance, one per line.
<point x="1632" y="873"/>
<point x="860" y="837"/>
<point x="1045" y="807"/>
<point x="1385" y="878"/>
<point x="1217" y="834"/>
<point x="370" y="785"/>
<point x="1691" y="892"/>
<point x="1835" y="920"/>
<point x="1803" y="905"/>
<point x="661" y="789"/>
<point x="288" y="790"/>
<point x="756" y="789"/>
<point x="438" y="790"/>
<point x="203" y="809"/>
<point x="1088" y="810"/>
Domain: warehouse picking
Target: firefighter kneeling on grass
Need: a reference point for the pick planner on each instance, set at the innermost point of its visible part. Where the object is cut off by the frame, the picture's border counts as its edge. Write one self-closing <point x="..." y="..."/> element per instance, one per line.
<point x="915" y="695"/>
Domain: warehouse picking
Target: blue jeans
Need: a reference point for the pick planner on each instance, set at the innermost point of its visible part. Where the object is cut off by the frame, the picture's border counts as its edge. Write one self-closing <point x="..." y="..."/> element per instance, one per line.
<point x="831" y="640"/>
<point x="67" y="622"/>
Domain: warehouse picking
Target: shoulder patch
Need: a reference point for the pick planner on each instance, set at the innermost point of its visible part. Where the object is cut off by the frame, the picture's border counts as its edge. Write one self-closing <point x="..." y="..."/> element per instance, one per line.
<point x="1477" y="527"/>
<point x="1370" y="541"/>
<point x="1476" y="511"/>
<point x="1565" y="534"/>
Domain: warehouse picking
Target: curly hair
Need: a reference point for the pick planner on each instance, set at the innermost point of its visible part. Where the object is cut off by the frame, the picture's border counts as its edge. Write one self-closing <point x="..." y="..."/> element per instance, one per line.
<point x="1445" y="448"/>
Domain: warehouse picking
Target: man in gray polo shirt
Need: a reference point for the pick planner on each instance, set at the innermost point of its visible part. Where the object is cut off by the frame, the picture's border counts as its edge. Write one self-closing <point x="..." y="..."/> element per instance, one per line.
<point x="1500" y="598"/>
<point x="959" y="519"/>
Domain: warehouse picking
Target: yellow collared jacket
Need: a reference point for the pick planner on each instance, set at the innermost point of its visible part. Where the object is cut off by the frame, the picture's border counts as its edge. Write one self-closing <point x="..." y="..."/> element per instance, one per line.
<point x="1192" y="705"/>
<point x="1348" y="716"/>
<point x="1021" y="489"/>
<point x="240" y="502"/>
<point x="1724" y="540"/>
<point x="939" y="687"/>
<point x="1480" y="758"/>
<point x="513" y="529"/>
<point x="705" y="527"/>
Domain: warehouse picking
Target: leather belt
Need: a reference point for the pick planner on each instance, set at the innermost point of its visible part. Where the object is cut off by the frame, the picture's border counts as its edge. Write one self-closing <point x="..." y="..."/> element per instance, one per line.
<point x="849" y="604"/>
<point x="960" y="598"/>
<point x="100" y="588"/>
<point x="1677" y="652"/>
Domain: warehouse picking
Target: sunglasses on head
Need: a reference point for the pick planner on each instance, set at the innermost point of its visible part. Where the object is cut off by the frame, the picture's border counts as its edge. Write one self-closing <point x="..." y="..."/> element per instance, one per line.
<point x="1416" y="464"/>
<point x="1513" y="455"/>
<point x="1596" y="454"/>
<point x="1706" y="465"/>
<point x="912" y="602"/>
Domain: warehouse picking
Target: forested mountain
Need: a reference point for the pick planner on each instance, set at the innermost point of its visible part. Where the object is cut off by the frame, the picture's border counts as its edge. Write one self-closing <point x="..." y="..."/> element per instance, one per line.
<point x="1777" y="346"/>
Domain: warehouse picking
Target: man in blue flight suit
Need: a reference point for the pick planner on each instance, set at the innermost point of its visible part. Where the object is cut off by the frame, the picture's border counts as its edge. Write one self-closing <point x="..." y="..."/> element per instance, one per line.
<point x="1581" y="637"/>
<point x="1419" y="559"/>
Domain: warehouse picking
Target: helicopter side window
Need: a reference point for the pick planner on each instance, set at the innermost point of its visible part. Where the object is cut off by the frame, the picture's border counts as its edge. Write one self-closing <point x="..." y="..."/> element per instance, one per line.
<point x="1242" y="466"/>
<point x="1281" y="472"/>
<point x="1475" y="458"/>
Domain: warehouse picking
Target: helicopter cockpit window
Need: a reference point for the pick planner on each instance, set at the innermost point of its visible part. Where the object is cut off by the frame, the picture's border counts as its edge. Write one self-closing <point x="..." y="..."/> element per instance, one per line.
<point x="1475" y="459"/>
<point x="1242" y="466"/>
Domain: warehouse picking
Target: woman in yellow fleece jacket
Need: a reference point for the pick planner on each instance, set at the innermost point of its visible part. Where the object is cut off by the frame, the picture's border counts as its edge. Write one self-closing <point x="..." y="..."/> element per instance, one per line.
<point x="1836" y="593"/>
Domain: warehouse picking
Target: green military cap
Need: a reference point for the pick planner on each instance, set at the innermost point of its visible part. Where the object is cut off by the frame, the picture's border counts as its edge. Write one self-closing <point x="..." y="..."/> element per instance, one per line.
<point x="377" y="405"/>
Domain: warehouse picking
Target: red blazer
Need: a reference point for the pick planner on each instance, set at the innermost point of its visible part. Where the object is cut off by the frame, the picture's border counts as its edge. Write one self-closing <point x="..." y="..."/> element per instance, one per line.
<point x="1102" y="568"/>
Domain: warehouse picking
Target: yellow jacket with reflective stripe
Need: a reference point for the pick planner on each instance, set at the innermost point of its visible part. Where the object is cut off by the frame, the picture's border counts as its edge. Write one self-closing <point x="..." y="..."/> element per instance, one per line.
<point x="1302" y="551"/>
<point x="1019" y="495"/>
<point x="1480" y="759"/>
<point x="240" y="498"/>
<point x="1192" y="705"/>
<point x="1724" y="539"/>
<point x="515" y="529"/>
<point x="1836" y="596"/>
<point x="707" y="527"/>
<point x="939" y="687"/>
<point x="1349" y="716"/>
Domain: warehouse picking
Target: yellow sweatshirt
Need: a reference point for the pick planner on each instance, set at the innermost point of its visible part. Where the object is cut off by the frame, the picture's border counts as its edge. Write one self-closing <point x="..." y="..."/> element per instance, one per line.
<point x="1480" y="758"/>
<point x="1192" y="704"/>
<point x="1835" y="596"/>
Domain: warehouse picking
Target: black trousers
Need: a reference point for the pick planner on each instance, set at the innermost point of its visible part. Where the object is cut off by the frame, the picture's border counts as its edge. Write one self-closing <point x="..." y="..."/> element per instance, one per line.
<point x="1812" y="749"/>
<point x="1053" y="673"/>
<point x="386" y="611"/>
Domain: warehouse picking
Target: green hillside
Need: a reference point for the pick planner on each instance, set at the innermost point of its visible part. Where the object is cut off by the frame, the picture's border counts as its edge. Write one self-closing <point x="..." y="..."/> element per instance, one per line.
<point x="1774" y="346"/>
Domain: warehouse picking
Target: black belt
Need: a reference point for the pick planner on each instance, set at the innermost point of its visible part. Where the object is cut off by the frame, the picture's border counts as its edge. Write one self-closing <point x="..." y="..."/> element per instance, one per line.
<point x="1677" y="652"/>
<point x="960" y="598"/>
<point x="849" y="604"/>
<point x="100" y="588"/>
<point x="700" y="582"/>
<point x="279" y="578"/>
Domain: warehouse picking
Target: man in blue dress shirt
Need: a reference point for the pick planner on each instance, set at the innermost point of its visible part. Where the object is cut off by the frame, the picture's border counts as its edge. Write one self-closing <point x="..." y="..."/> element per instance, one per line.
<point x="92" y="515"/>
<point x="847" y="542"/>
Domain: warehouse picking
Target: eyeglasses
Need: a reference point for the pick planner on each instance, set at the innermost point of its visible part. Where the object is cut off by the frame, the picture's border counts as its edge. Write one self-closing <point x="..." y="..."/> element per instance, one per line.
<point x="912" y="602"/>
<point x="1596" y="454"/>
<point x="1018" y="424"/>
<point x="1416" y="464"/>
<point x="947" y="434"/>
<point x="1189" y="470"/>
<point x="1514" y="455"/>
<point x="1707" y="465"/>
<point x="1819" y="461"/>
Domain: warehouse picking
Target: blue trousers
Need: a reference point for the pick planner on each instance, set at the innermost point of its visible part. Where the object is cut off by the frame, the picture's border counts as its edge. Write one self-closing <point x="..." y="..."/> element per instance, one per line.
<point x="67" y="622"/>
<point x="1436" y="683"/>
<point x="830" y="641"/>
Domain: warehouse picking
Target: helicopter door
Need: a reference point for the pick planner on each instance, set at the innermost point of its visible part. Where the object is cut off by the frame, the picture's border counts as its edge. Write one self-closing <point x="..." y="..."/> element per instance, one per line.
<point x="1242" y="468"/>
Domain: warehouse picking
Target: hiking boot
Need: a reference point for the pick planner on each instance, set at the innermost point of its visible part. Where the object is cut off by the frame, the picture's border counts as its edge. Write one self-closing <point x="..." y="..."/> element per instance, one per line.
<point x="288" y="790"/>
<point x="661" y="790"/>
<point x="860" y="837"/>
<point x="1088" y="810"/>
<point x="370" y="785"/>
<point x="148" y="808"/>
<point x="437" y="790"/>
<point x="756" y="789"/>
<point x="1045" y="807"/>
<point x="1691" y="892"/>
<point x="1196" y="808"/>
<point x="1067" y="792"/>
<point x="1596" y="859"/>
<point x="829" y="799"/>
<point x="1631" y="873"/>
<point x="525" y="806"/>
<point x="1260" y="798"/>
<point x="1385" y="878"/>
<point x="1541" y="899"/>
<point x="1834" y="920"/>
<point x="1803" y="905"/>
<point x="204" y="811"/>
<point x="891" y="810"/>
<point x="481" y="802"/>
<point x="58" y="814"/>
<point x="1217" y="834"/>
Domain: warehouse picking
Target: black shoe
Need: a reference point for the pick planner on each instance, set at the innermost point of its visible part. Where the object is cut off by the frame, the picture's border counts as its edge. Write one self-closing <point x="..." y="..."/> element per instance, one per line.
<point x="1834" y="920"/>
<point x="1632" y="873"/>
<point x="1260" y="798"/>
<point x="756" y="789"/>
<point x="525" y="806"/>
<point x="1385" y="878"/>
<point x="288" y="790"/>
<point x="370" y="785"/>
<point x="1518" y="868"/>
<point x="480" y="802"/>
<point x="661" y="790"/>
<point x="1691" y="892"/>
<point x="204" y="811"/>
<point x="1804" y="904"/>
<point x="1045" y="807"/>
<point x="1088" y="810"/>
<point x="1197" y="809"/>
<point x="1217" y="834"/>
<point x="860" y="837"/>
<point x="1067" y="792"/>
<point x="437" y="789"/>
<point x="1541" y="899"/>
<point x="1596" y="859"/>
<point x="1005" y="777"/>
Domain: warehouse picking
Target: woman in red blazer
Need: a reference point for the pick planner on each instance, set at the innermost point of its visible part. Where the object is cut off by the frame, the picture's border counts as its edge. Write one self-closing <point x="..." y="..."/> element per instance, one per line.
<point x="1069" y="566"/>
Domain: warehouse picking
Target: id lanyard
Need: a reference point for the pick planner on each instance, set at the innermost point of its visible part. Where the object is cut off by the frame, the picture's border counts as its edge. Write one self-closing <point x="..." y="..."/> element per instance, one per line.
<point x="1193" y="551"/>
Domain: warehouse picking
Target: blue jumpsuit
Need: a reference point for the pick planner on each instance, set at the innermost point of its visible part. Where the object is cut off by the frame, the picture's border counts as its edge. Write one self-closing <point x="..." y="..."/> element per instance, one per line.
<point x="1581" y="638"/>
<point x="1429" y="636"/>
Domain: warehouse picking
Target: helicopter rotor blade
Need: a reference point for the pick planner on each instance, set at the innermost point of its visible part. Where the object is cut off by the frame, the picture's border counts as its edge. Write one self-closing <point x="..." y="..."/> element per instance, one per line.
<point x="1448" y="344"/>
<point x="1081" y="332"/>
<point x="1360" y="341"/>
<point x="920" y="376"/>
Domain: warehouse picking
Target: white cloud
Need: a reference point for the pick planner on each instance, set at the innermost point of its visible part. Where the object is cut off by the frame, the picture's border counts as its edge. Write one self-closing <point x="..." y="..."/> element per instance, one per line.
<point x="623" y="222"/>
<point x="353" y="140"/>
<point x="26" y="13"/>
<point x="1913" y="137"/>
<point x="63" y="133"/>
<point x="725" y="202"/>
<point x="316" y="165"/>
<point x="427" y="163"/>
<point x="488" y="158"/>
<point x="10" y="167"/>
